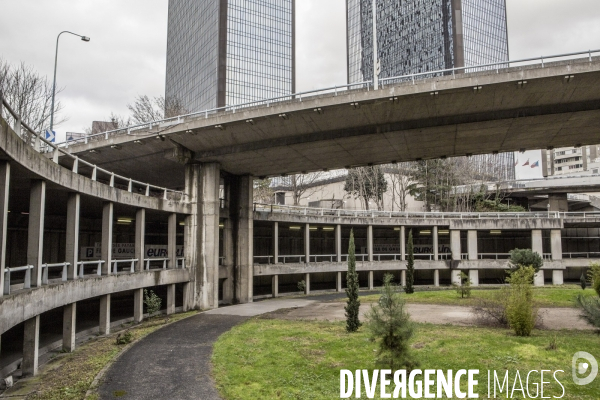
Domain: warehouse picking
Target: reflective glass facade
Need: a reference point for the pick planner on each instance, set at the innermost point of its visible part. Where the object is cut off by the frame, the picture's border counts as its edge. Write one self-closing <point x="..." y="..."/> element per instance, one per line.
<point x="227" y="52"/>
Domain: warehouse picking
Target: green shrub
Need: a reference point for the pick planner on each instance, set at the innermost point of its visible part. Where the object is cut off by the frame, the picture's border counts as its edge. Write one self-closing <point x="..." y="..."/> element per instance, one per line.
<point x="594" y="277"/>
<point x="464" y="289"/>
<point x="353" y="305"/>
<point x="124" y="338"/>
<point x="590" y="309"/>
<point x="492" y="310"/>
<point x="152" y="302"/>
<point x="302" y="285"/>
<point x="520" y="311"/>
<point x="524" y="258"/>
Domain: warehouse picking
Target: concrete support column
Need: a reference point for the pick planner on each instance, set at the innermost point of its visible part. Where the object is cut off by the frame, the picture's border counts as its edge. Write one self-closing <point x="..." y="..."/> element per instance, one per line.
<point x="138" y="305"/>
<point x="403" y="244"/>
<point x="107" y="236"/>
<point x="370" y="242"/>
<point x="275" y="285"/>
<point x="537" y="245"/>
<point x="338" y="282"/>
<point x="436" y="277"/>
<point x="455" y="245"/>
<point x="35" y="233"/>
<point x="69" y="319"/>
<point x="140" y="240"/>
<point x="275" y="242"/>
<point x="558" y="277"/>
<point x="228" y="262"/>
<point x="435" y="243"/>
<point x="72" y="249"/>
<point x="403" y="278"/>
<point x="307" y="283"/>
<point x="455" y="276"/>
<point x="171" y="299"/>
<point x="307" y="243"/>
<point x="187" y="296"/>
<point x="172" y="240"/>
<point x="371" y="285"/>
<point x="31" y="345"/>
<point x="244" y="240"/>
<point x="474" y="277"/>
<point x="472" y="245"/>
<point x="338" y="243"/>
<point x="4" y="191"/>
<point x="105" y="314"/>
<point x="556" y="244"/>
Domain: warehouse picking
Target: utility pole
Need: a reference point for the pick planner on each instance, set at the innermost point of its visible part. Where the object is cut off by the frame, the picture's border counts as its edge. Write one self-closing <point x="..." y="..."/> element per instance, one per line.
<point x="376" y="65"/>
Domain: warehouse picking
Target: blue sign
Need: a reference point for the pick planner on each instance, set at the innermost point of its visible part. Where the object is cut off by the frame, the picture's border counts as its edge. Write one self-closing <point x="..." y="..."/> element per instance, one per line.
<point x="50" y="136"/>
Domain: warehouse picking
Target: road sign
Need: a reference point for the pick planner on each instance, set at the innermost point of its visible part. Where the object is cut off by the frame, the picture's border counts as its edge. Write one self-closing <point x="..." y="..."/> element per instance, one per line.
<point x="50" y="136"/>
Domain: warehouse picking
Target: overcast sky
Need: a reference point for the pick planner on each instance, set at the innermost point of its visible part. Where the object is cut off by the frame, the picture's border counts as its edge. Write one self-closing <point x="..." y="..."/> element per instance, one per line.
<point x="126" y="54"/>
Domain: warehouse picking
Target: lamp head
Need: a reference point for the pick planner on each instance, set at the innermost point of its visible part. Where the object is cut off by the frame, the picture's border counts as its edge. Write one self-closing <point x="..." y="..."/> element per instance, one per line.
<point x="85" y="38"/>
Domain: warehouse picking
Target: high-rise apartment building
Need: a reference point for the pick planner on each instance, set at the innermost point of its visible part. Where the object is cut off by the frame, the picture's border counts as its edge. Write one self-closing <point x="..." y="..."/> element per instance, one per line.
<point x="228" y="52"/>
<point x="571" y="160"/>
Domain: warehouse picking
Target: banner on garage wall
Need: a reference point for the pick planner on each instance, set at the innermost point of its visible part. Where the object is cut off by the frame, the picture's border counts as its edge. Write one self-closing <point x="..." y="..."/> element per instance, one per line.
<point x="127" y="251"/>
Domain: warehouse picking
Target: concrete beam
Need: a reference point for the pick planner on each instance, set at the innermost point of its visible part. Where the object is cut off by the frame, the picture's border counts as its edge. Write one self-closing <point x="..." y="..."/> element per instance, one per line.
<point x="4" y="195"/>
<point x="72" y="240"/>
<point x="31" y="346"/>
<point x="35" y="232"/>
<point x="104" y="327"/>
<point x="107" y="237"/>
<point x="505" y="224"/>
<point x="69" y="321"/>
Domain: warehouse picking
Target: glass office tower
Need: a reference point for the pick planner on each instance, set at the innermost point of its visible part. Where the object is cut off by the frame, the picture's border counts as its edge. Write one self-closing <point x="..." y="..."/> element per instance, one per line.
<point x="228" y="52"/>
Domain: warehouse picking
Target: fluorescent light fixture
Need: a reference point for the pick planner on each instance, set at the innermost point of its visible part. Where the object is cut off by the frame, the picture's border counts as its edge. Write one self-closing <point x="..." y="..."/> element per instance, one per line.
<point x="425" y="232"/>
<point x="443" y="232"/>
<point x="495" y="232"/>
<point x="295" y="228"/>
<point x="182" y="223"/>
<point x="397" y="228"/>
<point x="221" y="226"/>
<point x="116" y="146"/>
<point x="313" y="228"/>
<point x="94" y="151"/>
<point x="328" y="228"/>
<point x="124" y="221"/>
<point x="24" y="213"/>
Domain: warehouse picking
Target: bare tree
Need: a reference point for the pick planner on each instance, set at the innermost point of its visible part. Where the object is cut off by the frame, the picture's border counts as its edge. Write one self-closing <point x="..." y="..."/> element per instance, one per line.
<point x="303" y="185"/>
<point x="367" y="183"/>
<point x="402" y="184"/>
<point x="145" y="109"/>
<point x="263" y="192"/>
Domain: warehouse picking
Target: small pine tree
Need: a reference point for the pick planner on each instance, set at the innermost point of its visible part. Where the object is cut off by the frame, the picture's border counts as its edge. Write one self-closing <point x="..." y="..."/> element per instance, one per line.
<point x="353" y="304"/>
<point x="410" y="265"/>
<point x="583" y="281"/>
<point x="391" y="327"/>
<point x="464" y="289"/>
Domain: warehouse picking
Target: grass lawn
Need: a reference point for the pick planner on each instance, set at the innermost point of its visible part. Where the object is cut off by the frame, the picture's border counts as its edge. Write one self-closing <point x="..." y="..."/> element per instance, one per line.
<point x="69" y="376"/>
<point x="280" y="359"/>
<point x="551" y="296"/>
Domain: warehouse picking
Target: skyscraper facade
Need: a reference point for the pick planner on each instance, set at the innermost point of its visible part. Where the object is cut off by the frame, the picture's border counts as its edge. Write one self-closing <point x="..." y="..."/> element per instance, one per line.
<point x="228" y="52"/>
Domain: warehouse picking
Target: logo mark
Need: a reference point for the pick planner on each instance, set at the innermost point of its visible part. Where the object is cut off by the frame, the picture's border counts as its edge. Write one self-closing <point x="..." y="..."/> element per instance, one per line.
<point x="589" y="365"/>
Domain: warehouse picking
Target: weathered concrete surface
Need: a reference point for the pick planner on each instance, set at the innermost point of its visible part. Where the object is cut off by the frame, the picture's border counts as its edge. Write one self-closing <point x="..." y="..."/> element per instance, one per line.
<point x="309" y="268"/>
<point x="261" y="307"/>
<point x="513" y="223"/>
<point x="21" y="306"/>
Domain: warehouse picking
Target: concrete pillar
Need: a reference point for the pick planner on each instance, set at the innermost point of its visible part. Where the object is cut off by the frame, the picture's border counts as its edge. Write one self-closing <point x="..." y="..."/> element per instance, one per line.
<point x="556" y="244"/>
<point x="228" y="261"/>
<point x="537" y="245"/>
<point x="4" y="191"/>
<point x="172" y="240"/>
<point x="105" y="314"/>
<point x="338" y="282"/>
<point x="244" y="239"/>
<point x="557" y="277"/>
<point x="107" y="236"/>
<point x="403" y="244"/>
<point x="455" y="276"/>
<point x="140" y="240"/>
<point x="436" y="277"/>
<point x="307" y="243"/>
<point x="403" y="278"/>
<point x="188" y="296"/>
<point x="275" y="242"/>
<point x="69" y="319"/>
<point x="455" y="245"/>
<point x="472" y="245"/>
<point x="35" y="233"/>
<point x="370" y="242"/>
<point x="371" y="285"/>
<point x="275" y="285"/>
<point x="72" y="249"/>
<point x="171" y="299"/>
<point x="307" y="283"/>
<point x="435" y="243"/>
<point x="338" y="243"/>
<point x="558" y="202"/>
<point x="138" y="305"/>
<point x="474" y="277"/>
<point x="31" y="345"/>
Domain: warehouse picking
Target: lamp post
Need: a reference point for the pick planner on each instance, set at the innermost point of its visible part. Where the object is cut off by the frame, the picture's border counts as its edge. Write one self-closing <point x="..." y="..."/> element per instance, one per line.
<point x="85" y="39"/>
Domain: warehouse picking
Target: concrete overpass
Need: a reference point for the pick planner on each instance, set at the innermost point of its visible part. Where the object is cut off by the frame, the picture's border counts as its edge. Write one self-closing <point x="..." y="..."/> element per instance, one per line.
<point x="528" y="107"/>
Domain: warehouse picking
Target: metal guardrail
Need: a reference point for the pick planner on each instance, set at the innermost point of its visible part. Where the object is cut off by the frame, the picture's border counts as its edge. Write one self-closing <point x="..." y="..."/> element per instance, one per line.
<point x="40" y="144"/>
<point x="26" y="281"/>
<point x="46" y="267"/>
<point x="82" y="264"/>
<point x="581" y="255"/>
<point x="131" y="263"/>
<point x="151" y="260"/>
<point x="168" y="122"/>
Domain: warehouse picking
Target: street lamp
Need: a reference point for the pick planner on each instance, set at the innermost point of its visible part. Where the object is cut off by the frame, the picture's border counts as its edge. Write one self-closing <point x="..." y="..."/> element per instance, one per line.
<point x="85" y="39"/>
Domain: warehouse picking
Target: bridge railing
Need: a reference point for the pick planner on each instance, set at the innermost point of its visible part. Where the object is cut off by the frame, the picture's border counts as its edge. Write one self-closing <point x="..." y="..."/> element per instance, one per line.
<point x="168" y="122"/>
<point x="42" y="145"/>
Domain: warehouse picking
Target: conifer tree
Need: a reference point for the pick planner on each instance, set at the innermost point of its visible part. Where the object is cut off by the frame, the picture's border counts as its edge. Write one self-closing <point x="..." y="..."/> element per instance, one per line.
<point x="410" y="265"/>
<point x="353" y="303"/>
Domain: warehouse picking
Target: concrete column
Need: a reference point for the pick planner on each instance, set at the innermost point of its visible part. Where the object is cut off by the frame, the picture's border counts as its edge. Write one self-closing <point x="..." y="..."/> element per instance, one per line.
<point x="370" y="242"/>
<point x="105" y="314"/>
<point x="537" y="245"/>
<point x="188" y="296"/>
<point x="307" y="283"/>
<point x="140" y="240"/>
<point x="557" y="277"/>
<point x="171" y="299"/>
<point x="371" y="285"/>
<point x="556" y="244"/>
<point x="472" y="244"/>
<point x="474" y="277"/>
<point x="72" y="250"/>
<point x="244" y="240"/>
<point x="338" y="243"/>
<point x="138" y="305"/>
<point x="403" y="278"/>
<point x="403" y="244"/>
<point x="69" y="318"/>
<point x="31" y="345"/>
<point x="107" y="237"/>
<point x="436" y="277"/>
<point x="435" y="243"/>
<point x="172" y="240"/>
<point x="558" y="202"/>
<point x="455" y="245"/>
<point x="307" y="243"/>
<point x="4" y="191"/>
<point x="338" y="282"/>
<point x="455" y="276"/>
<point x="275" y="285"/>
<point x="35" y="233"/>
<point x="228" y="261"/>
<point x="275" y="242"/>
